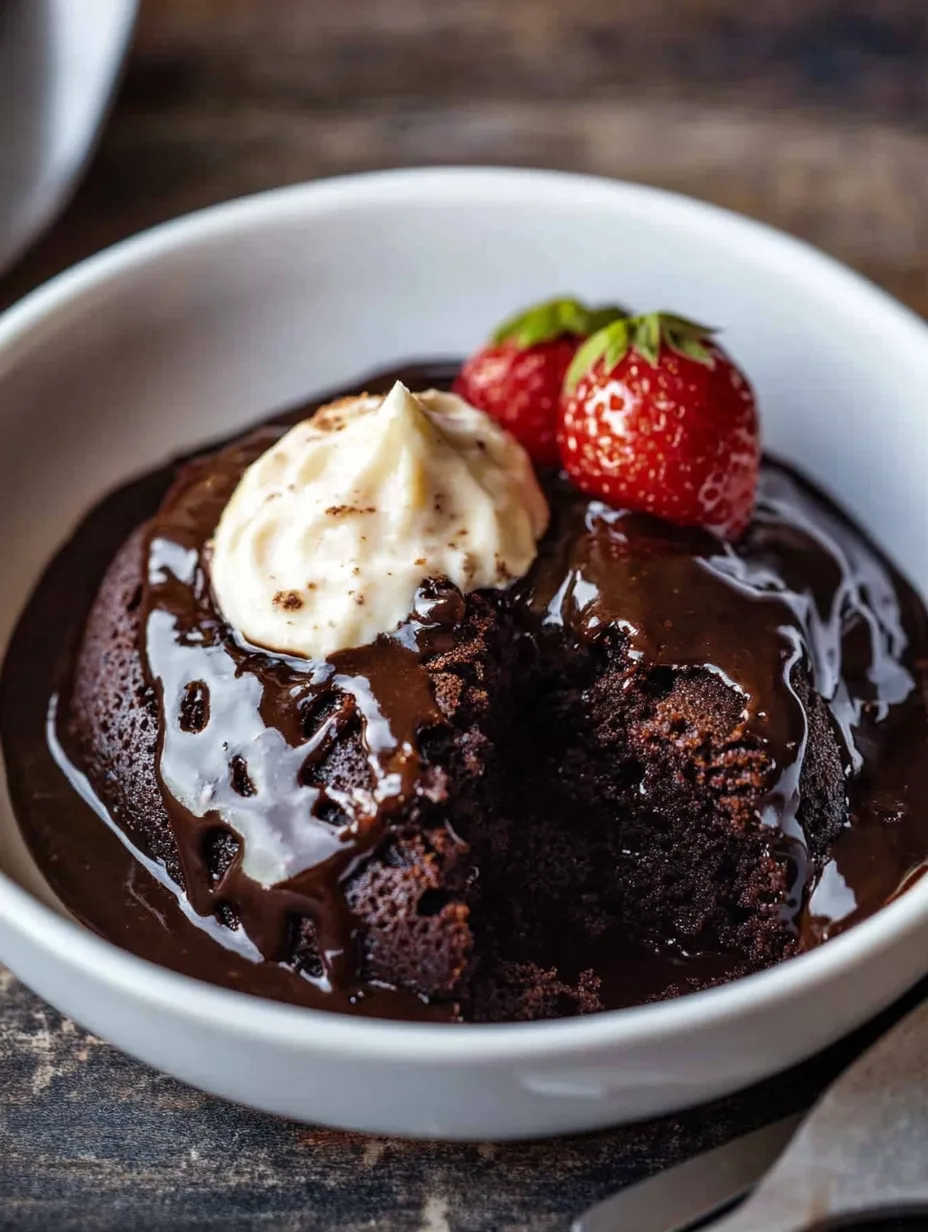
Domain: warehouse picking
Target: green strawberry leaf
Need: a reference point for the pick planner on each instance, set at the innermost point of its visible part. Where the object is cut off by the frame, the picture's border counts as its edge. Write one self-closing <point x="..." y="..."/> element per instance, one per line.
<point x="619" y="336"/>
<point x="610" y="344"/>
<point x="599" y="318"/>
<point x="682" y="326"/>
<point x="647" y="337"/>
<point x="646" y="334"/>
<point x="691" y="349"/>
<point x="553" y="318"/>
<point x="687" y="338"/>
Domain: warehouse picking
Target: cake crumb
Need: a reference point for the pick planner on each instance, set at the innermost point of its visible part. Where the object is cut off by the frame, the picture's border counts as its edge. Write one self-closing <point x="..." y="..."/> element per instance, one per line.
<point x="289" y="600"/>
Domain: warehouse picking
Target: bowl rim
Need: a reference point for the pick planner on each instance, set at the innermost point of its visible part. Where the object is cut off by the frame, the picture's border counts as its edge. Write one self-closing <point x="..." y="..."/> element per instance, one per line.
<point x="70" y="943"/>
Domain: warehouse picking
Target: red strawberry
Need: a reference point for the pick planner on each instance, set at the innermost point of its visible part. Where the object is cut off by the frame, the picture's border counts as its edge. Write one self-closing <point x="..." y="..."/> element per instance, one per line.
<point x="518" y="378"/>
<point x="656" y="417"/>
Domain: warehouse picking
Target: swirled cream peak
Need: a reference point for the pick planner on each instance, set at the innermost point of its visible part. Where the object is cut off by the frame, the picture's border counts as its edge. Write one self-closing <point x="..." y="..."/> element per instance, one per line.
<point x="330" y="533"/>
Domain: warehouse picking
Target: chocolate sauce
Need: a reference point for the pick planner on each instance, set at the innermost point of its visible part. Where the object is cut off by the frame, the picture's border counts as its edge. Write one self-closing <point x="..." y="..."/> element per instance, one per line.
<point x="803" y="587"/>
<point x="241" y="731"/>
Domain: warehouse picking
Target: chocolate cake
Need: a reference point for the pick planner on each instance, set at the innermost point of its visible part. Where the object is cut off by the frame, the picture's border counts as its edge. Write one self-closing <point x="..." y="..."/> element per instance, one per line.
<point x="630" y="774"/>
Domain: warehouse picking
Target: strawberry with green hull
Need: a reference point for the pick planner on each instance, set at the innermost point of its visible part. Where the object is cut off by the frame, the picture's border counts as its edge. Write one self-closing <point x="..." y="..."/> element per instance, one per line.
<point x="656" y="417"/>
<point x="518" y="377"/>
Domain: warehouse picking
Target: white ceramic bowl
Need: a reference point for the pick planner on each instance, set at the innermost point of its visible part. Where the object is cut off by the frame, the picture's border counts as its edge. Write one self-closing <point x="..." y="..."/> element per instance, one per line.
<point x="59" y="62"/>
<point x="202" y="326"/>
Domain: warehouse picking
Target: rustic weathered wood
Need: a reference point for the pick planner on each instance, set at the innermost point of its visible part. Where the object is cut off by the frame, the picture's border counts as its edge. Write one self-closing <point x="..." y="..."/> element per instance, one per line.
<point x="806" y="113"/>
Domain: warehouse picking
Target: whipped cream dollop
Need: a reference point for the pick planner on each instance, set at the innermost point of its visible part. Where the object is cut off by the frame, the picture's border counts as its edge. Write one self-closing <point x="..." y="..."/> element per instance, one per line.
<point x="330" y="533"/>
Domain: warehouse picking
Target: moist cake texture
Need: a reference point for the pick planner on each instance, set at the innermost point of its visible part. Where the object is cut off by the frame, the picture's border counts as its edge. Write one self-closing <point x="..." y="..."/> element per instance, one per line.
<point x="652" y="764"/>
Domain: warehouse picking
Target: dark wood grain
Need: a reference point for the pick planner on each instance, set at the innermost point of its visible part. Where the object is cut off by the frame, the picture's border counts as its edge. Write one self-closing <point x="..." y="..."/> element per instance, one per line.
<point x="809" y="114"/>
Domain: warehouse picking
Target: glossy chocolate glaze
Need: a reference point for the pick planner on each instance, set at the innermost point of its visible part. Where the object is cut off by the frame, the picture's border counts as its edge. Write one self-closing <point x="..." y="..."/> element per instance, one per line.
<point x="803" y="586"/>
<point x="239" y="727"/>
<point x="803" y="581"/>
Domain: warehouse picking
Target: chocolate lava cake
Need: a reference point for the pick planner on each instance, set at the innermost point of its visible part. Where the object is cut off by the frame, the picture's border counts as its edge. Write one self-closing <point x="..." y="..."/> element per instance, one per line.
<point x="618" y="780"/>
<point x="382" y="709"/>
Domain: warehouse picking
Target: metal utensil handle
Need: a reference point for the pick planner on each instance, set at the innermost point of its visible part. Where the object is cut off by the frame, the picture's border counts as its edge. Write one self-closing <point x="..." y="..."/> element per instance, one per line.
<point x="679" y="1196"/>
<point x="863" y="1149"/>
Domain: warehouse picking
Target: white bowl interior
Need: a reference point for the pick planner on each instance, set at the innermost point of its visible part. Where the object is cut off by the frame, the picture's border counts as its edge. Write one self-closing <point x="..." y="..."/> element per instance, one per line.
<point x="203" y="326"/>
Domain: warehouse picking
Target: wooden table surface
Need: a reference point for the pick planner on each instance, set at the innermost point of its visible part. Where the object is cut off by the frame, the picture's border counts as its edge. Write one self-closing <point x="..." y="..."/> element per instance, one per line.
<point x="809" y="114"/>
